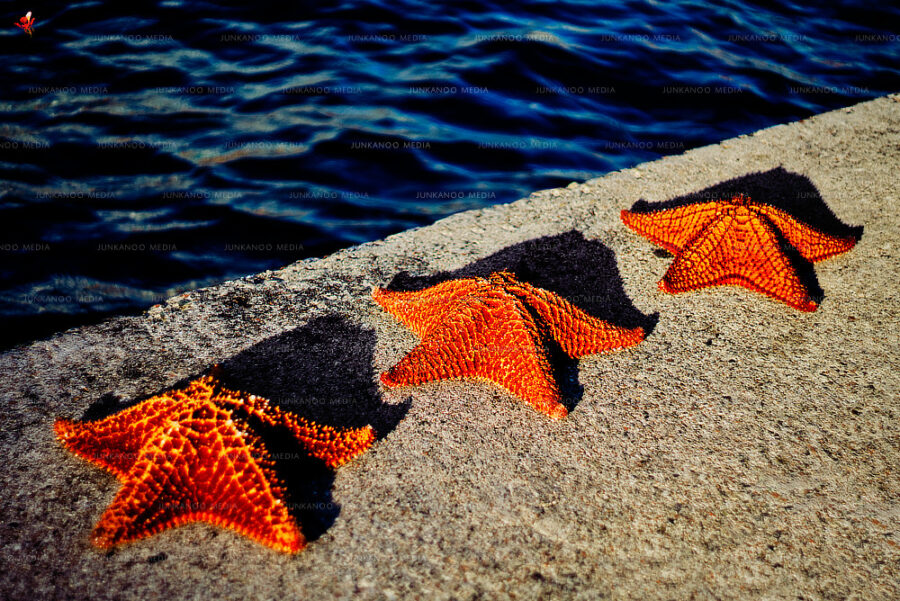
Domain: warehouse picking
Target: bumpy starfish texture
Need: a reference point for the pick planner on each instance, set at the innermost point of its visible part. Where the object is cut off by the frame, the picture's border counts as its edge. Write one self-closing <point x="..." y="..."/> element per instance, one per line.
<point x="739" y="242"/>
<point x="191" y="454"/>
<point x="496" y="328"/>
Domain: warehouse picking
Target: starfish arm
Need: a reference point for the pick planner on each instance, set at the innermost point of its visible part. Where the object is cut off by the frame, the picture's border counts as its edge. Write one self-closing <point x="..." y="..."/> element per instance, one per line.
<point x="419" y="310"/>
<point x="246" y="404"/>
<point x="113" y="443"/>
<point x="811" y="243"/>
<point x="333" y="446"/>
<point x="113" y="451"/>
<point x="741" y="249"/>
<point x="673" y="229"/>
<point x="577" y="332"/>
<point x="519" y="362"/>
<point x="427" y="362"/>
<point x="201" y="469"/>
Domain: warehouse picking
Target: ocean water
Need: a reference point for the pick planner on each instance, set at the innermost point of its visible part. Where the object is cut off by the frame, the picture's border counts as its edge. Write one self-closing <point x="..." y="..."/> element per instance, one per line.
<point x="147" y="148"/>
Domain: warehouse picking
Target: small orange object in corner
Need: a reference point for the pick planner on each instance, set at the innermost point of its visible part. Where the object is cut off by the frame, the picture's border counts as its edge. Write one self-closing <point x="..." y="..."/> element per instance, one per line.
<point x="26" y="23"/>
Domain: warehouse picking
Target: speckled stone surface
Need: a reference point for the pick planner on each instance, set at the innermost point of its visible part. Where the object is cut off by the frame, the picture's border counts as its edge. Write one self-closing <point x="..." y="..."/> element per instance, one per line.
<point x="744" y="450"/>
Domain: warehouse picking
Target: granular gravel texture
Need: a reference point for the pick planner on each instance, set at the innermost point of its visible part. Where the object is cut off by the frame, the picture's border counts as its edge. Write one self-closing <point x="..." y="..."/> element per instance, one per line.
<point x="744" y="450"/>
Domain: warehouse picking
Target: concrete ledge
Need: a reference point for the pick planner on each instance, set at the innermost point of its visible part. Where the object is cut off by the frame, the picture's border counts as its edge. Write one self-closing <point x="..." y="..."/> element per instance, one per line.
<point x="744" y="450"/>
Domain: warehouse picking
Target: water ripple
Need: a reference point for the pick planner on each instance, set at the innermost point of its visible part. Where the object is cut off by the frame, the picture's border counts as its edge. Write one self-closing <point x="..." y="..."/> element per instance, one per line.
<point x="156" y="147"/>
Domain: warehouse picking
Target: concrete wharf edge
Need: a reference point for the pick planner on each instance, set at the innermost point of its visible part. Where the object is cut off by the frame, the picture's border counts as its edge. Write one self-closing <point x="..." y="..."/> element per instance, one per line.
<point x="743" y="450"/>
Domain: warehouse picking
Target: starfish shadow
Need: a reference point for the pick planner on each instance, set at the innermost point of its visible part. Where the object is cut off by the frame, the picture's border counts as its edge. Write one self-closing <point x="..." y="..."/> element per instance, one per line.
<point x="785" y="190"/>
<point x="321" y="371"/>
<point x="581" y="271"/>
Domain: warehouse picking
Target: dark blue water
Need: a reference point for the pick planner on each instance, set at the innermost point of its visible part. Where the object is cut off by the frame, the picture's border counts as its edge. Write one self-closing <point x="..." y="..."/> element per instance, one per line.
<point x="148" y="148"/>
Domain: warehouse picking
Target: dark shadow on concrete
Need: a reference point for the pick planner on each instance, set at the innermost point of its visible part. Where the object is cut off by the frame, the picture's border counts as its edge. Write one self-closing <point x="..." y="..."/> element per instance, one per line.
<point x="791" y="192"/>
<point x="321" y="371"/>
<point x="106" y="405"/>
<point x="581" y="271"/>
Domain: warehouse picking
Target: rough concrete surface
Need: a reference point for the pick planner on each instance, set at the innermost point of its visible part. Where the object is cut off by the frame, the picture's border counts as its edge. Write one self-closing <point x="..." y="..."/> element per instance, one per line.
<point x="743" y="450"/>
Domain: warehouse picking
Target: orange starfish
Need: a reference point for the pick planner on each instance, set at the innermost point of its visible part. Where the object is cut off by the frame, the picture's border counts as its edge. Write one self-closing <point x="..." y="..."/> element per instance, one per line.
<point x="736" y="242"/>
<point x="496" y="328"/>
<point x="189" y="455"/>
